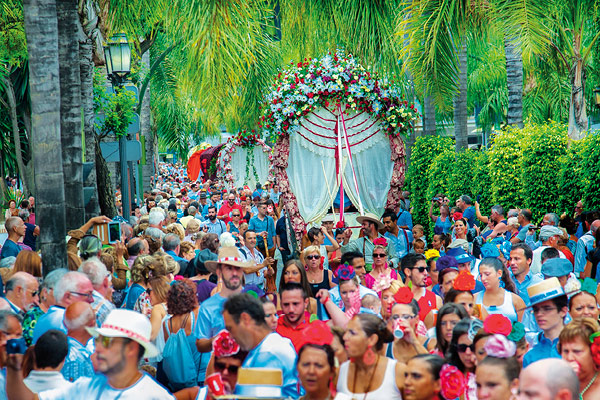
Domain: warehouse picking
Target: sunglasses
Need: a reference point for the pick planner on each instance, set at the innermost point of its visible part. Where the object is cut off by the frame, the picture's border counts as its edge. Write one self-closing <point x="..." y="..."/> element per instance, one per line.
<point x="463" y="347"/>
<point x="232" y="369"/>
<point x="105" y="341"/>
<point x="235" y="215"/>
<point x="422" y="269"/>
<point x="313" y="257"/>
<point x="379" y="255"/>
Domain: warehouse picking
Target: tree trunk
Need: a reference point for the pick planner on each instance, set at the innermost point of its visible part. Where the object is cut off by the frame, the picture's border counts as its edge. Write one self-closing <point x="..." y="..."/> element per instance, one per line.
<point x="41" y="29"/>
<point x="460" y="101"/>
<point x="428" y="115"/>
<point x="514" y="82"/>
<point x="106" y="196"/>
<point x="578" y="121"/>
<point x="12" y="105"/>
<point x="146" y="128"/>
<point x="86" y="73"/>
<point x="70" y="111"/>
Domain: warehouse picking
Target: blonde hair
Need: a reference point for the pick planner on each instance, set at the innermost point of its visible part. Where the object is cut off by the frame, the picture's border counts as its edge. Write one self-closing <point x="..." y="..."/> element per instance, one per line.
<point x="193" y="226"/>
<point x="176" y="229"/>
<point x="160" y="286"/>
<point x="311" y="249"/>
<point x="185" y="247"/>
<point x="581" y="328"/>
<point x="145" y="267"/>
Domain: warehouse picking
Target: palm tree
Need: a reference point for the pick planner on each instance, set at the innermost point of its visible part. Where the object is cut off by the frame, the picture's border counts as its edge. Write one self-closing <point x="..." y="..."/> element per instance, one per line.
<point x="41" y="28"/>
<point x="70" y="111"/>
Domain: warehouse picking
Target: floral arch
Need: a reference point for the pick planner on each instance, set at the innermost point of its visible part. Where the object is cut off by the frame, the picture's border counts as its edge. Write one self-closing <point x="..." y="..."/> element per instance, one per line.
<point x="244" y="160"/>
<point x="335" y="123"/>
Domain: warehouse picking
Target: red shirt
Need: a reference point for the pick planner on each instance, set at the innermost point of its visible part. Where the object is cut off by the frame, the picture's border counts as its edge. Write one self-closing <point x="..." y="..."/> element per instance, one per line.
<point x="294" y="334"/>
<point x="226" y="210"/>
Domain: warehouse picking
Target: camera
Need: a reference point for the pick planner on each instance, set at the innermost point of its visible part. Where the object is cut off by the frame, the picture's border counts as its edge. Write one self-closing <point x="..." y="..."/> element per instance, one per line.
<point x="16" y="346"/>
<point x="435" y="199"/>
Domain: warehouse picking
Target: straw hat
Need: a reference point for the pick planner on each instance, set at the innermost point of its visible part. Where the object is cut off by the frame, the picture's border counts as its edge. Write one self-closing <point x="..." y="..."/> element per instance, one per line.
<point x="228" y="255"/>
<point x="371" y="218"/>
<point x="545" y="290"/>
<point x="127" y="324"/>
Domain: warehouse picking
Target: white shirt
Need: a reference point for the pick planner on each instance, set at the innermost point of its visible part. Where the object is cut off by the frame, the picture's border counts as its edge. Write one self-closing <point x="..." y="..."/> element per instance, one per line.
<point x="38" y="381"/>
<point x="536" y="263"/>
<point x="97" y="388"/>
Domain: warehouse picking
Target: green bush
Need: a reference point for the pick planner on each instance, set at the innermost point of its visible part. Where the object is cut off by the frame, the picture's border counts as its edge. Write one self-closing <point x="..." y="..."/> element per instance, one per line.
<point x="462" y="178"/>
<point x="482" y="182"/>
<point x="542" y="148"/>
<point x="422" y="154"/>
<point x="505" y="168"/>
<point x="570" y="181"/>
<point x="590" y="172"/>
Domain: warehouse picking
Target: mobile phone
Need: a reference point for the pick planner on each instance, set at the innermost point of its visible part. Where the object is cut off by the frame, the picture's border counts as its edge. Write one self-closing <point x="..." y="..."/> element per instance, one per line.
<point x="478" y="198"/>
<point x="114" y="232"/>
<point x="435" y="199"/>
<point x="16" y="346"/>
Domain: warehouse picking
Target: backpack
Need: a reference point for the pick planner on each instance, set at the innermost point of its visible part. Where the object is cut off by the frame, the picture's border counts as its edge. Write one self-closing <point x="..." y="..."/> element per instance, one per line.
<point x="178" y="357"/>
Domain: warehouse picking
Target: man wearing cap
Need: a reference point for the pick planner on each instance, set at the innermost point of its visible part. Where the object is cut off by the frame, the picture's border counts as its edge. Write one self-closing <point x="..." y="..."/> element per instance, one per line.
<point x="327" y="223"/>
<point x="264" y="226"/>
<point x="399" y="236"/>
<point x="121" y="342"/>
<point x="549" y="304"/>
<point x="549" y="236"/>
<point x="370" y="226"/>
<point x="203" y="206"/>
<point x="230" y="268"/>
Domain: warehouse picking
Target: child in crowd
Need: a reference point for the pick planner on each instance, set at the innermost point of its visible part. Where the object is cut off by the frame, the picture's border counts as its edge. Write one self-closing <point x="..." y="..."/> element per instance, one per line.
<point x="419" y="246"/>
<point x="371" y="304"/>
<point x="419" y="233"/>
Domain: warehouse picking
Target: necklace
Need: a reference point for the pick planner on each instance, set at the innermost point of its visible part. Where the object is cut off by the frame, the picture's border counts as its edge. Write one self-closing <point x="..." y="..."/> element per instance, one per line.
<point x="370" y="379"/>
<point x="588" y="385"/>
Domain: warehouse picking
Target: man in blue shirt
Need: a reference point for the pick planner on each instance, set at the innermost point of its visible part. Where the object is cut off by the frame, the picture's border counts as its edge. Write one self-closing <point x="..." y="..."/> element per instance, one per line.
<point x="465" y="203"/>
<point x="230" y="268"/>
<point x="402" y="238"/>
<point x="245" y="320"/>
<point x="405" y="220"/>
<point x="549" y="304"/>
<point x="15" y="227"/>
<point x="212" y="224"/>
<point x="264" y="226"/>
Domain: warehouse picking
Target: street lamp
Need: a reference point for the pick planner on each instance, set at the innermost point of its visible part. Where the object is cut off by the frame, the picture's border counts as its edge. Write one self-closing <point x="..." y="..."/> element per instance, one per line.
<point x="118" y="65"/>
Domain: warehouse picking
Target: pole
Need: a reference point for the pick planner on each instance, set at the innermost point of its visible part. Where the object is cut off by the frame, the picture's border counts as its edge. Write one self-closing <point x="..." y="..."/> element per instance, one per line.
<point x="124" y="178"/>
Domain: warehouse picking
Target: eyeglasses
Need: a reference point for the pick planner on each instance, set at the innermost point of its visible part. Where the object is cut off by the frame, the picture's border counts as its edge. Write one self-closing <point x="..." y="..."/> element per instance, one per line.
<point x="379" y="255"/>
<point x="232" y="369"/>
<point x="272" y="315"/>
<point x="422" y="269"/>
<point x="463" y="347"/>
<point x="405" y="317"/>
<point x="33" y="292"/>
<point x="313" y="257"/>
<point x="86" y="295"/>
<point x="105" y="341"/>
<point x="235" y="215"/>
<point x="543" y="309"/>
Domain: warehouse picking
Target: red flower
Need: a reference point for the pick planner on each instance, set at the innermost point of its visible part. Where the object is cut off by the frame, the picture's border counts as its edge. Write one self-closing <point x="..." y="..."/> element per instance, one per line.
<point x="595" y="349"/>
<point x="404" y="295"/>
<point x="224" y="344"/>
<point x="497" y="323"/>
<point x="464" y="282"/>
<point x="380" y="242"/>
<point x="453" y="382"/>
<point x="317" y="332"/>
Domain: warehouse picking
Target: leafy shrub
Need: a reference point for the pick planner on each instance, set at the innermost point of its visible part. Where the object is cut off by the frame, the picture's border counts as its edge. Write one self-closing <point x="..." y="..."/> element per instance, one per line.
<point x="462" y="178"/>
<point x="570" y="181"/>
<point x="590" y="172"/>
<point x="542" y="147"/>
<point x="505" y="168"/>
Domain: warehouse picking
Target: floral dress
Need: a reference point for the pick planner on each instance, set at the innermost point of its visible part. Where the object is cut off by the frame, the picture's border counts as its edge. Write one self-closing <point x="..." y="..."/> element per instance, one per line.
<point x="143" y="304"/>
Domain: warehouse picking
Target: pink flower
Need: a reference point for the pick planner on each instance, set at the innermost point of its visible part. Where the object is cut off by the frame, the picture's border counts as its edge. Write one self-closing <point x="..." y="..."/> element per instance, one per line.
<point x="499" y="346"/>
<point x="224" y="344"/>
<point x="453" y="382"/>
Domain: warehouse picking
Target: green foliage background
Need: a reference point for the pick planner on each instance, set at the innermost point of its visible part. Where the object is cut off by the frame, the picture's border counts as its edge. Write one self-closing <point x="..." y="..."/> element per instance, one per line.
<point x="533" y="167"/>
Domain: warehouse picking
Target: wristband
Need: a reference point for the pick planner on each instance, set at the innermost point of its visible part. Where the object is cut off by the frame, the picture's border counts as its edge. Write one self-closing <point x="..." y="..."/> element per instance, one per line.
<point x="326" y="300"/>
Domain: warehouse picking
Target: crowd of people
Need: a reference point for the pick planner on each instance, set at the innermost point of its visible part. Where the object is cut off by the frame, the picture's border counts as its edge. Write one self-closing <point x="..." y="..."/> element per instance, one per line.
<point x="209" y="292"/>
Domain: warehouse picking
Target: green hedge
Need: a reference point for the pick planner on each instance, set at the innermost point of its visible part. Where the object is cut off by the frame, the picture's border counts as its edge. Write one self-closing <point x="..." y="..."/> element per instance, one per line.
<point x="533" y="167"/>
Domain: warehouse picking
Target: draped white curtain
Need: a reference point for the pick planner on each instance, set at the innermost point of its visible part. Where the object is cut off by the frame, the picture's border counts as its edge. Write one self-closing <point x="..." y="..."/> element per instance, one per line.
<point x="239" y="160"/>
<point x="313" y="147"/>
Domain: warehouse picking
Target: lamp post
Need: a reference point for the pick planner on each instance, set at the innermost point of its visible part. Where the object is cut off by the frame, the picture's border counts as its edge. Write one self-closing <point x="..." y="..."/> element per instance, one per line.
<point x="118" y="65"/>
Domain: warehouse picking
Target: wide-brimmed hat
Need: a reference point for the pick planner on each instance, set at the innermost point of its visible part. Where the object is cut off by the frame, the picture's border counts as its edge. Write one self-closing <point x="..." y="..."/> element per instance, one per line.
<point x="371" y="218"/>
<point x="545" y="290"/>
<point x="228" y="255"/>
<point x="460" y="254"/>
<point x="557" y="267"/>
<point x="127" y="324"/>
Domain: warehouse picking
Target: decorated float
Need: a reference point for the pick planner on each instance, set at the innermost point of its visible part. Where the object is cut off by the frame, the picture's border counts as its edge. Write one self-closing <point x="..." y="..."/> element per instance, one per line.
<point x="193" y="165"/>
<point x="244" y="160"/>
<point x="336" y="124"/>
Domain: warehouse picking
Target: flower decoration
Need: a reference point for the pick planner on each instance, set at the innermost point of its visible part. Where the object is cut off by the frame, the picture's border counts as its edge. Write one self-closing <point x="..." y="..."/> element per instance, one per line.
<point x="380" y="241"/>
<point x="335" y="79"/>
<point x="453" y="382"/>
<point x="573" y="286"/>
<point x="340" y="224"/>
<point x="497" y="324"/>
<point x="382" y="283"/>
<point x="464" y="282"/>
<point x="345" y="272"/>
<point x="432" y="253"/>
<point x="225" y="345"/>
<point x="499" y="346"/>
<point x="457" y="215"/>
<point x="317" y="332"/>
<point x="404" y="295"/>
<point x="589" y="285"/>
<point x="595" y="340"/>
<point x="517" y="333"/>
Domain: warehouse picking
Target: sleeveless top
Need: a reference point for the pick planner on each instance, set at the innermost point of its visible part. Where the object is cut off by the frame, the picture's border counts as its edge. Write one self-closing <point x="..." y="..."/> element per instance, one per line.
<point x="442" y="226"/>
<point x="507" y="308"/>
<point x="387" y="390"/>
<point x="324" y="284"/>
